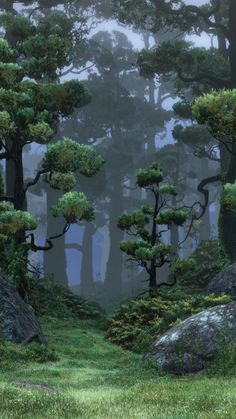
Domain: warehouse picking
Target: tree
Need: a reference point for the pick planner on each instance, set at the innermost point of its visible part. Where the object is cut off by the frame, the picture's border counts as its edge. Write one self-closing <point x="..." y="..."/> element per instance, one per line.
<point x="119" y="120"/>
<point x="146" y="224"/>
<point x="29" y="113"/>
<point x="195" y="70"/>
<point x="217" y="111"/>
<point x="45" y="43"/>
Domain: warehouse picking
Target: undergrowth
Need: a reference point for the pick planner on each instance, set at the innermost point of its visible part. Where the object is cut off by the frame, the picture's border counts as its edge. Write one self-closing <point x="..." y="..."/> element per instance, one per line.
<point x="138" y="323"/>
<point x="49" y="298"/>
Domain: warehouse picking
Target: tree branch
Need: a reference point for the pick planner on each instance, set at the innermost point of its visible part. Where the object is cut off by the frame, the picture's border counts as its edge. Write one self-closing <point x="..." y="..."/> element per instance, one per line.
<point x="36" y="179"/>
<point x="201" y="77"/>
<point x="49" y="241"/>
<point x="205" y="192"/>
<point x="197" y="11"/>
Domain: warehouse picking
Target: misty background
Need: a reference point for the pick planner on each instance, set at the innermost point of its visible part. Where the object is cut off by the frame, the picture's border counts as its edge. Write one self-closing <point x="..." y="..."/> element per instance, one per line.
<point x="130" y="122"/>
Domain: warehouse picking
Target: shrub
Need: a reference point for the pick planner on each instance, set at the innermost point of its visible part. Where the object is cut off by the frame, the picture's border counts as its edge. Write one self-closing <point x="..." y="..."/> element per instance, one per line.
<point x="225" y="363"/>
<point x="138" y="323"/>
<point x="52" y="299"/>
<point x="12" y="354"/>
<point x="196" y="271"/>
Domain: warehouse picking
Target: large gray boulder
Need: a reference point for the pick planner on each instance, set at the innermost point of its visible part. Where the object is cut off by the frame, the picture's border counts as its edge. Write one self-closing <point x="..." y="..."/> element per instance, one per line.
<point x="223" y="282"/>
<point x="18" y="323"/>
<point x="192" y="344"/>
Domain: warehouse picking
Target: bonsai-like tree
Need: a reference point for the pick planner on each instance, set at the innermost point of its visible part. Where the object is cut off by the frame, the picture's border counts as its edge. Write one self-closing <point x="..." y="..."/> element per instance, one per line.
<point x="29" y="113"/>
<point x="148" y="224"/>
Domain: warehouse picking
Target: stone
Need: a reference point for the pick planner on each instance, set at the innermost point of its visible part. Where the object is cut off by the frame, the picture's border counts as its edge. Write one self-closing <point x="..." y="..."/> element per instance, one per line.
<point x="190" y="346"/>
<point x="223" y="282"/>
<point x="18" y="323"/>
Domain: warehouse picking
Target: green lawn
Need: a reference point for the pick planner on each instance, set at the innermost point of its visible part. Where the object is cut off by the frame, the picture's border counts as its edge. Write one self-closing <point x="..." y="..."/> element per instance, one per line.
<point x="95" y="379"/>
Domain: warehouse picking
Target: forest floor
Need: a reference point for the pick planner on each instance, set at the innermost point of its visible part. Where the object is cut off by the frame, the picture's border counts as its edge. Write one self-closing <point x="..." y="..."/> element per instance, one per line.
<point x="95" y="379"/>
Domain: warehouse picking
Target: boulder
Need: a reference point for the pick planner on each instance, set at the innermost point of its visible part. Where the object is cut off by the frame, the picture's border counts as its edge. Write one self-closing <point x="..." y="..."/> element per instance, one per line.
<point x="223" y="282"/>
<point x="18" y="323"/>
<point x="190" y="346"/>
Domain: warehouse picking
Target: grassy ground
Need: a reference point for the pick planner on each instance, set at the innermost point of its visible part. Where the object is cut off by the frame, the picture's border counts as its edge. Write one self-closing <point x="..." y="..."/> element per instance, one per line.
<point x="95" y="379"/>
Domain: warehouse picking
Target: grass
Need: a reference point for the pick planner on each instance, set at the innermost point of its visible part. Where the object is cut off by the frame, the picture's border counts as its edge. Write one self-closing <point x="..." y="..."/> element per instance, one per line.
<point x="95" y="379"/>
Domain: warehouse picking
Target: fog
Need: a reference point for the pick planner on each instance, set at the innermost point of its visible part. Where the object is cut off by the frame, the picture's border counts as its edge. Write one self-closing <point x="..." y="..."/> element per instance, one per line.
<point x="87" y="258"/>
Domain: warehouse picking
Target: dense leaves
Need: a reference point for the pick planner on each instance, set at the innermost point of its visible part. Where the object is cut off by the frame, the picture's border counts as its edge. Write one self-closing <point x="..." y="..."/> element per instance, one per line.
<point x="138" y="323"/>
<point x="147" y="248"/>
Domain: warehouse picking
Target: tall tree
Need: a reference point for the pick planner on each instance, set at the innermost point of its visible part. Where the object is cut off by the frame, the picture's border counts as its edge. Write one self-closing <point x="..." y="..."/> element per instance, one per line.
<point x="195" y="69"/>
<point x="29" y="114"/>
<point x="118" y="120"/>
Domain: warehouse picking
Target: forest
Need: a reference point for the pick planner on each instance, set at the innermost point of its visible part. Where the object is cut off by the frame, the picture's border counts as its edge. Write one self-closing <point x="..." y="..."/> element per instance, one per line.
<point x="117" y="209"/>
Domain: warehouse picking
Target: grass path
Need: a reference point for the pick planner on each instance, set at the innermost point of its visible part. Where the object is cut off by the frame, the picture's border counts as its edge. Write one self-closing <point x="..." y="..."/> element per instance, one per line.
<point x="95" y="379"/>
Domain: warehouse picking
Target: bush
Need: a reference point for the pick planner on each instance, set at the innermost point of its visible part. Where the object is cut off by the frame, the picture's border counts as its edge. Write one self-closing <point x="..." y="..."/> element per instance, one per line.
<point x="225" y="363"/>
<point x="52" y="299"/>
<point x="12" y="354"/>
<point x="137" y="324"/>
<point x="196" y="271"/>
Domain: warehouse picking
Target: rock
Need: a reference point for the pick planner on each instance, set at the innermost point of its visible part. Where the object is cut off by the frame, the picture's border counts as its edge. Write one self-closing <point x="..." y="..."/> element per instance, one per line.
<point x="18" y="323"/>
<point x="223" y="282"/>
<point x="190" y="346"/>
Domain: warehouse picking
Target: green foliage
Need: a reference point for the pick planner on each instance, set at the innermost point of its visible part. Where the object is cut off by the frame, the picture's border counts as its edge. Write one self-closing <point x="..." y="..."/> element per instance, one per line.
<point x="19" y="26"/>
<point x="63" y="181"/>
<point x="183" y="109"/>
<point x="29" y="112"/>
<point x="10" y="74"/>
<point x="14" y="259"/>
<point x="62" y="98"/>
<point x="149" y="177"/>
<point x="138" y="323"/>
<point x="69" y="156"/>
<point x="108" y="381"/>
<point x="181" y="59"/>
<point x="74" y="206"/>
<point x="41" y="132"/>
<point x="172" y="216"/>
<point x="13" y="356"/>
<point x="49" y="298"/>
<point x="6" y="53"/>
<point x="218" y="111"/>
<point x="191" y="135"/>
<point x="5" y="123"/>
<point x="205" y="262"/>
<point x="147" y="248"/>
<point x="168" y="189"/>
<point x="224" y="364"/>
<point x="13" y="221"/>
<point x="228" y="197"/>
<point x="45" y="43"/>
<point x="48" y="54"/>
<point x="164" y="59"/>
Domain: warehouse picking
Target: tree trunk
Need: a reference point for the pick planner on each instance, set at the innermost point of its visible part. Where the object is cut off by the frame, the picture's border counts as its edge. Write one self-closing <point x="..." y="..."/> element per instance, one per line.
<point x="113" y="278"/>
<point x="152" y="276"/>
<point x="205" y="226"/>
<point x="87" y="261"/>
